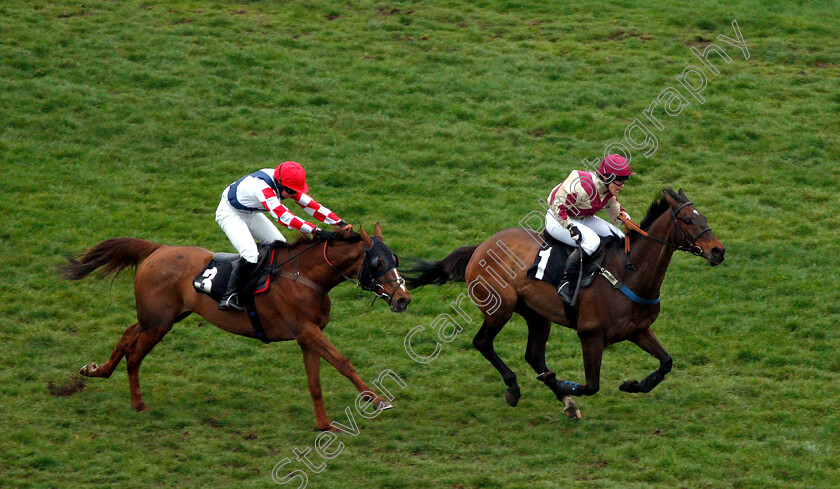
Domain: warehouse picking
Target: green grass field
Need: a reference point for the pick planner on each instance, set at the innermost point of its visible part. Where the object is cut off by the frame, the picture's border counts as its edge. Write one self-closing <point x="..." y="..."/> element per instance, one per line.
<point x="446" y="121"/>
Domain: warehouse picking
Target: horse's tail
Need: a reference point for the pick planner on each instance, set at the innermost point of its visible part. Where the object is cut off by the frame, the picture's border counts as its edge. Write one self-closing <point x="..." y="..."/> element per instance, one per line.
<point x="114" y="255"/>
<point x="450" y="269"/>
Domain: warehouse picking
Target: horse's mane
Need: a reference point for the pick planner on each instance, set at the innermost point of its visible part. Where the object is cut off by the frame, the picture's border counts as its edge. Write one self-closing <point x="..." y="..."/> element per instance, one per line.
<point x="657" y="208"/>
<point x="308" y="239"/>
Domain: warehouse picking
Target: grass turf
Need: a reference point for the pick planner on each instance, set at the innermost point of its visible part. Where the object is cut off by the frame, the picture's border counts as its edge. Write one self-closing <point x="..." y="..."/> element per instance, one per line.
<point x="446" y="121"/>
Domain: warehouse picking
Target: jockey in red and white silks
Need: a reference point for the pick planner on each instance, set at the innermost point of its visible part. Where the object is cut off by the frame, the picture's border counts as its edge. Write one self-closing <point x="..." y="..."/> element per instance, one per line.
<point x="240" y="215"/>
<point x="240" y="212"/>
<point x="573" y="204"/>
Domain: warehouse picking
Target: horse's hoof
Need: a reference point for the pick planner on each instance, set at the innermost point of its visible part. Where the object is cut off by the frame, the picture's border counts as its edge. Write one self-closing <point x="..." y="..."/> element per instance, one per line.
<point x="573" y="413"/>
<point x="512" y="397"/>
<point x="571" y="409"/>
<point x="140" y="407"/>
<point x="631" y="386"/>
<point x="88" y="369"/>
<point x="383" y="405"/>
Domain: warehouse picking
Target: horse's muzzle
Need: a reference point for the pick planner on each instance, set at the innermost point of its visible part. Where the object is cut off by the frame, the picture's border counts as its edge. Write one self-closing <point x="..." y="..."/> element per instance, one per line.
<point x="716" y="255"/>
<point x="401" y="304"/>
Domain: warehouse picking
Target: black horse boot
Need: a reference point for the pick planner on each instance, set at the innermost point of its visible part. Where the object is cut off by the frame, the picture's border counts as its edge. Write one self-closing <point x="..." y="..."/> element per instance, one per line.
<point x="567" y="289"/>
<point x="238" y="276"/>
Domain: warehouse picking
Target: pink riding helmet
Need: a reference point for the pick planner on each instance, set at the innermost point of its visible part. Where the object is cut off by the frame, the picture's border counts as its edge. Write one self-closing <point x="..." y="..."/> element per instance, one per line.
<point x="614" y="166"/>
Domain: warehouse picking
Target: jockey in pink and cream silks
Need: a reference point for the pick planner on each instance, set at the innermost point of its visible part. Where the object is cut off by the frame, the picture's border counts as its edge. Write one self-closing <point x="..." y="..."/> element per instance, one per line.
<point x="571" y="214"/>
<point x="240" y="215"/>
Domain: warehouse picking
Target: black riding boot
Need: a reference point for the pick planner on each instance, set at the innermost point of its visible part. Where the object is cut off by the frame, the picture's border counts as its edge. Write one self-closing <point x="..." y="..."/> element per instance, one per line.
<point x="238" y="276"/>
<point x="569" y="280"/>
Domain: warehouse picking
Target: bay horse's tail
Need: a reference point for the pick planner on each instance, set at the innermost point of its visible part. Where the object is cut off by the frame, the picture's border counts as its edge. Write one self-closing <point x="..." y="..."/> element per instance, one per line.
<point x="450" y="269"/>
<point x="113" y="254"/>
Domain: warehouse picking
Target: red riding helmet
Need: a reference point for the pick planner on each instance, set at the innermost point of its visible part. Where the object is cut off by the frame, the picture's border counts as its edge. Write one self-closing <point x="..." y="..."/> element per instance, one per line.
<point x="291" y="174"/>
<point x="614" y="166"/>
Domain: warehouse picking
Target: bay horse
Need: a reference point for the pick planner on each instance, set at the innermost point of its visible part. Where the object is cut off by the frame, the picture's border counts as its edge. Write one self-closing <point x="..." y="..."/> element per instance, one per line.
<point x="603" y="314"/>
<point x="290" y="310"/>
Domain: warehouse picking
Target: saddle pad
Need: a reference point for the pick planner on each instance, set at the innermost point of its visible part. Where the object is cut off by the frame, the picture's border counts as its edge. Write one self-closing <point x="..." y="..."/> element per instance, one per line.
<point x="550" y="263"/>
<point x="214" y="278"/>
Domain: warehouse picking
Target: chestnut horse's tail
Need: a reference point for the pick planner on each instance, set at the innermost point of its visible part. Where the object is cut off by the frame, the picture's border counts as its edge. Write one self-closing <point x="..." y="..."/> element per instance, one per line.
<point x="450" y="269"/>
<point x="114" y="255"/>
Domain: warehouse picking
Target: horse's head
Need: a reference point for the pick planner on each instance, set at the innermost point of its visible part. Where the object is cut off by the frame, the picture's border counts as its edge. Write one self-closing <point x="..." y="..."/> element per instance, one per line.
<point x="695" y="232"/>
<point x="379" y="271"/>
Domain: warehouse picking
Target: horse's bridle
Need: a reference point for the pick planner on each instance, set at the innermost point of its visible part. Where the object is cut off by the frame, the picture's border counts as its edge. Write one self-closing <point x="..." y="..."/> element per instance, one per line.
<point x="691" y="241"/>
<point x="366" y="280"/>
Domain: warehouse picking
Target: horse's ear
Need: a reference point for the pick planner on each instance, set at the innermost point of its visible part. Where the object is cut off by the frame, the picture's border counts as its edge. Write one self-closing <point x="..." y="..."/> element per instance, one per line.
<point x="682" y="194"/>
<point x="365" y="238"/>
<point x="377" y="230"/>
<point x="670" y="194"/>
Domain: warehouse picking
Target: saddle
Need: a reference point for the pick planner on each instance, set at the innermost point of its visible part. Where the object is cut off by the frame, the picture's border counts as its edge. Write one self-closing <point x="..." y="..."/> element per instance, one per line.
<point x="214" y="278"/>
<point x="551" y="258"/>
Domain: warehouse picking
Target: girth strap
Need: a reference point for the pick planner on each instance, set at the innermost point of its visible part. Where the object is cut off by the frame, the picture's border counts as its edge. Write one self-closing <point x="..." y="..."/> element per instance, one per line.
<point x="303" y="280"/>
<point x="251" y="309"/>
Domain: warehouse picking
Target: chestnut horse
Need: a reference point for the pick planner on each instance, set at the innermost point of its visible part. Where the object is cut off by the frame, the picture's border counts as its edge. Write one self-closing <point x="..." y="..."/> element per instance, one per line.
<point x="289" y="310"/>
<point x="603" y="314"/>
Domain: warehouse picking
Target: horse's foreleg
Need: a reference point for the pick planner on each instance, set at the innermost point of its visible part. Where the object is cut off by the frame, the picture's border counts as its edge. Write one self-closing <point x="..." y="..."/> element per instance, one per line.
<point x="312" y="363"/>
<point x="105" y="370"/>
<point x="483" y="342"/>
<point x="135" y="351"/>
<point x="315" y="340"/>
<point x="648" y="342"/>
<point x="593" y="351"/>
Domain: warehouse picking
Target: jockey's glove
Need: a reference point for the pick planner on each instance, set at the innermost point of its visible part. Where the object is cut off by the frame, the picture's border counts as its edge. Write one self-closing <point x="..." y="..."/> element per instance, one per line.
<point x="327" y="236"/>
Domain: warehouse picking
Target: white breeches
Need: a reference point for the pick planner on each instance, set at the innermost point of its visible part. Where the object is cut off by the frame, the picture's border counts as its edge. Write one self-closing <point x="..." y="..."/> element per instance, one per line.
<point x="243" y="227"/>
<point x="590" y="229"/>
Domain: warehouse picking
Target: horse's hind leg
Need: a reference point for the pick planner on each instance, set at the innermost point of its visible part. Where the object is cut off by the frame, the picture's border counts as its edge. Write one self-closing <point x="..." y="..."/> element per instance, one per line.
<point x="135" y="351"/>
<point x="483" y="342"/>
<point x="106" y="369"/>
<point x="538" y="330"/>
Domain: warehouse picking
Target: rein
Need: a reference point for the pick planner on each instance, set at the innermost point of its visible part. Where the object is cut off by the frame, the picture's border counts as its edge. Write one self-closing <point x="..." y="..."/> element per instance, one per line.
<point x="368" y="283"/>
<point x="345" y="277"/>
<point x="292" y="258"/>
